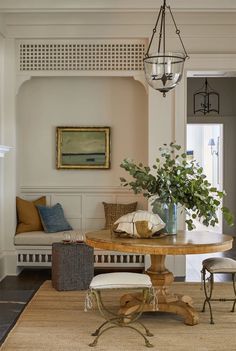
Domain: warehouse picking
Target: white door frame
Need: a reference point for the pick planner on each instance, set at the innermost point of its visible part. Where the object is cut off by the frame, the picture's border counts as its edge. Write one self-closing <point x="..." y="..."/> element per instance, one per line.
<point x="197" y="62"/>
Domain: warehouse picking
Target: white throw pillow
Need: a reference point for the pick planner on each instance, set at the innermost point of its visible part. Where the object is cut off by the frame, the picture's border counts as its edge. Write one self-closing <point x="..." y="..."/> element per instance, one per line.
<point x="139" y="224"/>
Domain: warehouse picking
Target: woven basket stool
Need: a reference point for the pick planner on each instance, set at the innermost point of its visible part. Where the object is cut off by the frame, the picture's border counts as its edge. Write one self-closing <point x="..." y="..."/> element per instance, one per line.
<point x="213" y="266"/>
<point x="122" y="281"/>
<point x="72" y="266"/>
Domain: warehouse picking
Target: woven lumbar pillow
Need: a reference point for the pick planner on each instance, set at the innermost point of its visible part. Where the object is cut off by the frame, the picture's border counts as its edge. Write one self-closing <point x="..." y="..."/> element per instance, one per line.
<point x="28" y="216"/>
<point x="115" y="211"/>
<point x="139" y="224"/>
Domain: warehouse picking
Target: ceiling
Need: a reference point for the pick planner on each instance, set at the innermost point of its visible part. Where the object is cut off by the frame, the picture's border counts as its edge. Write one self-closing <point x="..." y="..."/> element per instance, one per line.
<point x="115" y="5"/>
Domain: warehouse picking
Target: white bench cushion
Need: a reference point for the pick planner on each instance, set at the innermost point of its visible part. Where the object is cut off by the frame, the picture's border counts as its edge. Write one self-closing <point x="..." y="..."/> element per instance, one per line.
<point x="38" y="238"/>
<point x="119" y="280"/>
<point x="220" y="265"/>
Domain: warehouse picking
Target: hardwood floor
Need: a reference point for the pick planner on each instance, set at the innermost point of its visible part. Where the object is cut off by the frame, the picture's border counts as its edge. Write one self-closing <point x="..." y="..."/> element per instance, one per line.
<point x="15" y="292"/>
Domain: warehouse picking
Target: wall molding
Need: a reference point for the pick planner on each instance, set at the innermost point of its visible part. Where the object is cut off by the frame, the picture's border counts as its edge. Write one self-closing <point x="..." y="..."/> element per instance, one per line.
<point x="50" y="55"/>
<point x="140" y="77"/>
<point x="21" y="79"/>
<point x="2" y="271"/>
<point x="8" y="259"/>
<point x="75" y="189"/>
<point x="75" y="58"/>
<point x="113" y="6"/>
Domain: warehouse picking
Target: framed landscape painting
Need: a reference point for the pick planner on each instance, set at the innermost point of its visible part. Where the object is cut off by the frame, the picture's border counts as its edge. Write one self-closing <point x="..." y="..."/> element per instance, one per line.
<point x="83" y="147"/>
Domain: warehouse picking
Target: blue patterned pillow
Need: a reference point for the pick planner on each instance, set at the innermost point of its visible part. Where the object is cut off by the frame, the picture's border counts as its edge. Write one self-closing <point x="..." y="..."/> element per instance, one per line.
<point x="53" y="218"/>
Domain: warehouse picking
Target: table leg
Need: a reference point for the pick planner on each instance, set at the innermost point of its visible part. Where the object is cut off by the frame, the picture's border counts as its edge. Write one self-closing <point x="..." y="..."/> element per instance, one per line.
<point x="167" y="302"/>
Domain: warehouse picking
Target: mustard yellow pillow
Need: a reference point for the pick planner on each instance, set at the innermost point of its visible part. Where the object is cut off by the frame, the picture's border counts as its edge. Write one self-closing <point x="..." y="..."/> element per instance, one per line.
<point x="115" y="211"/>
<point x="27" y="215"/>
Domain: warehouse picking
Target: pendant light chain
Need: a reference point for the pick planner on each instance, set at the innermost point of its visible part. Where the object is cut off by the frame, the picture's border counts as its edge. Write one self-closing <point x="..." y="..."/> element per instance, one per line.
<point x="154" y="32"/>
<point x="164" y="27"/>
<point x="177" y="31"/>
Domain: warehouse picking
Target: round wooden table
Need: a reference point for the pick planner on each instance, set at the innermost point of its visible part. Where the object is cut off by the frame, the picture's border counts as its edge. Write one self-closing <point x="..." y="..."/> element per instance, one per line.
<point x="181" y="244"/>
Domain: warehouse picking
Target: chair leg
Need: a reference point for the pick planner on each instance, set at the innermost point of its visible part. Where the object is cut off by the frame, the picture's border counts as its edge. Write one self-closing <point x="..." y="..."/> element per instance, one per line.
<point x="99" y="332"/>
<point x="234" y="287"/>
<point x="96" y="332"/>
<point x="120" y="320"/>
<point x="147" y="331"/>
<point x="95" y="341"/>
<point x="208" y="296"/>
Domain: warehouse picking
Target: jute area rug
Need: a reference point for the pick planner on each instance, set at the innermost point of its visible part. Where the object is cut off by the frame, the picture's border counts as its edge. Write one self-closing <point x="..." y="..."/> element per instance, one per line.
<point x="56" y="321"/>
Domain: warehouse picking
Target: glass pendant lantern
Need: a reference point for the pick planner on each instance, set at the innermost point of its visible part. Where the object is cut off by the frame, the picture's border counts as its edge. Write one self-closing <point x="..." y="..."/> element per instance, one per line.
<point x="164" y="70"/>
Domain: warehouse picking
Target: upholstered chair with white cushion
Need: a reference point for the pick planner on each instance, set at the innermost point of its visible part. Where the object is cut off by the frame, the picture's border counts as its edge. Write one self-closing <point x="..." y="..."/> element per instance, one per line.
<point x="119" y="281"/>
<point x="213" y="266"/>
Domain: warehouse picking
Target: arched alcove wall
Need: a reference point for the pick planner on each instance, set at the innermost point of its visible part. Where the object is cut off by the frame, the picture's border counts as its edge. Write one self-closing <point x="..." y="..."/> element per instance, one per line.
<point x="43" y="103"/>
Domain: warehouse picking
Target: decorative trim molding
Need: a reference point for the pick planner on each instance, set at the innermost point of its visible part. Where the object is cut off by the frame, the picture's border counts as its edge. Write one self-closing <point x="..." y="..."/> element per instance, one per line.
<point x="114" y="6"/>
<point x="80" y="55"/>
<point x="20" y="79"/>
<point x="3" y="272"/>
<point x="63" y="58"/>
<point x="75" y="189"/>
<point x="32" y="256"/>
<point x="141" y="79"/>
<point x="8" y="260"/>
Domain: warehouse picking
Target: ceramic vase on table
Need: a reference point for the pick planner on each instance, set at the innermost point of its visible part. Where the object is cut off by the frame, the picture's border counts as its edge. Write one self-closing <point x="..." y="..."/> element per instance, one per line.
<point x="168" y="213"/>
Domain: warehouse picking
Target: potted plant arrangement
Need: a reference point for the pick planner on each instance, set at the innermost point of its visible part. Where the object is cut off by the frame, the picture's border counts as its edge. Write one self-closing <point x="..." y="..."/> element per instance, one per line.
<point x="174" y="181"/>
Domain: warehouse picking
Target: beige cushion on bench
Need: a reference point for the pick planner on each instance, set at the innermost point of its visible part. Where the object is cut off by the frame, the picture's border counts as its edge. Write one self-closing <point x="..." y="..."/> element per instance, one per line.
<point x="39" y="238"/>
<point x="119" y="280"/>
<point x="220" y="265"/>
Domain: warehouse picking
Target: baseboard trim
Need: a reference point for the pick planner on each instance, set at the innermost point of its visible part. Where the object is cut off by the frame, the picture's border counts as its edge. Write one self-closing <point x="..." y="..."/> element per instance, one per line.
<point x="2" y="267"/>
<point x="8" y="266"/>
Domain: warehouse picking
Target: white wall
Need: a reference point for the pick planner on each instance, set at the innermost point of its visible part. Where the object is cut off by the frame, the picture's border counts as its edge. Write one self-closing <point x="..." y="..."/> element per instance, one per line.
<point x="45" y="103"/>
<point x="202" y="32"/>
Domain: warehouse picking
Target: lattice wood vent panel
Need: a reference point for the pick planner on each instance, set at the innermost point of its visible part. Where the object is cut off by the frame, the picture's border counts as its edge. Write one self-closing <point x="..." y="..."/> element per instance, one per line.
<point x="81" y="56"/>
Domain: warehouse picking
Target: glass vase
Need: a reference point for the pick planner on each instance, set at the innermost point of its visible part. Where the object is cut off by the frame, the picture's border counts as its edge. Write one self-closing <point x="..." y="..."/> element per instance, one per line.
<point x="168" y="213"/>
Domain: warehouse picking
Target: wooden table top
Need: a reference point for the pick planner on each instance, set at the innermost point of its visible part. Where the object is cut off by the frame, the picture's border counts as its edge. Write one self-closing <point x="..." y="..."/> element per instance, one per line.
<point x="181" y="244"/>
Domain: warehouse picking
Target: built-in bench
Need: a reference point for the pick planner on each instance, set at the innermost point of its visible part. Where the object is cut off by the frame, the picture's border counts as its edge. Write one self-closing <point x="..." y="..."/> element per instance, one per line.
<point x="34" y="249"/>
<point x="84" y="210"/>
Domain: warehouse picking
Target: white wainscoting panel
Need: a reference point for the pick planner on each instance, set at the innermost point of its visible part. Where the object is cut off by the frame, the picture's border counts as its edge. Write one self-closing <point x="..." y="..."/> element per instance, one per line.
<point x="93" y="207"/>
<point x="94" y="224"/>
<point x="83" y="206"/>
<point x="72" y="204"/>
<point x="84" y="210"/>
<point x="75" y="223"/>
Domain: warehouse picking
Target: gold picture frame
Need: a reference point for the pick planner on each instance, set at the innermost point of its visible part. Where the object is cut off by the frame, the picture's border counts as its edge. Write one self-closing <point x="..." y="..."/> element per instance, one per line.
<point x="83" y="147"/>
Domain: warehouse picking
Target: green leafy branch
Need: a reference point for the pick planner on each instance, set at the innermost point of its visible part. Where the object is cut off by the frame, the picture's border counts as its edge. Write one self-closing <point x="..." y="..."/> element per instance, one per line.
<point x="174" y="179"/>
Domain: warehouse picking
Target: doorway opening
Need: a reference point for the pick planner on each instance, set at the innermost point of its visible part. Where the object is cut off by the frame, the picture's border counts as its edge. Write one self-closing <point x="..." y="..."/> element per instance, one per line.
<point x="205" y="145"/>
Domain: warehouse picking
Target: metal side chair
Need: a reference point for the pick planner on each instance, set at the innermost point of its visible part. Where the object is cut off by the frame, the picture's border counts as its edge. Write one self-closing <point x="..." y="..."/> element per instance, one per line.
<point x="213" y="266"/>
<point x="111" y="281"/>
